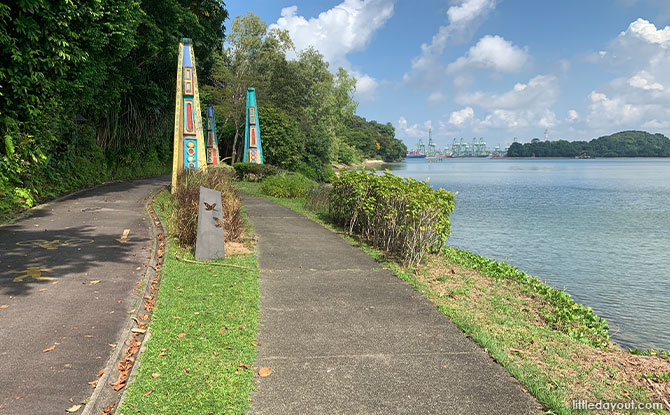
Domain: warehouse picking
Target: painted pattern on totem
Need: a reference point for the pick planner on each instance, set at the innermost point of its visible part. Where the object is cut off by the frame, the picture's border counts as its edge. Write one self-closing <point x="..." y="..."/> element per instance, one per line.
<point x="253" y="151"/>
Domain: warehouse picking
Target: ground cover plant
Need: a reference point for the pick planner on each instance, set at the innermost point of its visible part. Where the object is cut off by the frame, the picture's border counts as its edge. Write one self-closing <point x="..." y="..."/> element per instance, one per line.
<point x="560" y="351"/>
<point x="198" y="359"/>
<point x="289" y="185"/>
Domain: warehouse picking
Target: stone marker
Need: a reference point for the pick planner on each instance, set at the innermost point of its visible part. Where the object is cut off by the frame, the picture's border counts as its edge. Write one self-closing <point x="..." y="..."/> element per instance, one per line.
<point x="209" y="243"/>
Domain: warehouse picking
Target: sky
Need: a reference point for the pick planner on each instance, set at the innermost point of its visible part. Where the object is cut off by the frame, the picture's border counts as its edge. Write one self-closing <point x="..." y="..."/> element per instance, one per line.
<point x="497" y="69"/>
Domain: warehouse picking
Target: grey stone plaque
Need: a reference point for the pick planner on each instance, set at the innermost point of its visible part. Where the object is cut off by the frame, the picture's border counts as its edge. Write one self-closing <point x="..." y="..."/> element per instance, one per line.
<point x="210" y="240"/>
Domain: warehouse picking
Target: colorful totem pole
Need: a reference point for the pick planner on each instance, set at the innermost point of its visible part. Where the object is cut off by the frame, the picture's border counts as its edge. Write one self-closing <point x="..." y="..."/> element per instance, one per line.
<point x="253" y="152"/>
<point x="189" y="145"/>
<point x="212" y="143"/>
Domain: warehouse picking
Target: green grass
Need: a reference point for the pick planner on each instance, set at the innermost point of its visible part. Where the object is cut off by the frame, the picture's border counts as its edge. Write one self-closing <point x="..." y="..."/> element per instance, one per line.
<point x="559" y="350"/>
<point x="202" y="329"/>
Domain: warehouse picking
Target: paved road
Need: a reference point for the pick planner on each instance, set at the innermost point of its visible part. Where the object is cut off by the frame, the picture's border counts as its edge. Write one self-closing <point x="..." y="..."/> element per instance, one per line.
<point x="344" y="336"/>
<point x="67" y="276"/>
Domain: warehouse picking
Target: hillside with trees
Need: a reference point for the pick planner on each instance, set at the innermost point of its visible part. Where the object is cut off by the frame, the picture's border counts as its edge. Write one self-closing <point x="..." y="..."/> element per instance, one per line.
<point x="622" y="144"/>
<point x="306" y="113"/>
<point x="87" y="94"/>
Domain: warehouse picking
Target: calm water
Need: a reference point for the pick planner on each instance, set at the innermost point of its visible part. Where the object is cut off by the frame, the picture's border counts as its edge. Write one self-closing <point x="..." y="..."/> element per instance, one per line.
<point x="599" y="229"/>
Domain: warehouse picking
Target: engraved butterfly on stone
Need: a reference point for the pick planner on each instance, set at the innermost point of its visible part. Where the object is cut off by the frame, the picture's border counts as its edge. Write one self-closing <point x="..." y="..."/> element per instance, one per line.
<point x="208" y="206"/>
<point x="219" y="222"/>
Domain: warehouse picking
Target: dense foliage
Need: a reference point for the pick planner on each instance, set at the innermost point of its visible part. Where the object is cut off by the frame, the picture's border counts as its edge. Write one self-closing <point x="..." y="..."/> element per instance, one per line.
<point x="254" y="172"/>
<point x="622" y="144"/>
<point x="289" y="185"/>
<point x="87" y="89"/>
<point x="306" y="112"/>
<point x="404" y="217"/>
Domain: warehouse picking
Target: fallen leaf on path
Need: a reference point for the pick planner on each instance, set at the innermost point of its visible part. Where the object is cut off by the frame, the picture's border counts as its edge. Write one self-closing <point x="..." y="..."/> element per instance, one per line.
<point x="180" y="335"/>
<point x="143" y="316"/>
<point x="155" y="375"/>
<point x="43" y="289"/>
<point x="140" y="331"/>
<point x="4" y="306"/>
<point x="73" y="408"/>
<point x="93" y="383"/>
<point x="55" y="282"/>
<point x="264" y="372"/>
<point x="48" y="349"/>
<point x="93" y="282"/>
<point x="101" y="372"/>
<point x="108" y="409"/>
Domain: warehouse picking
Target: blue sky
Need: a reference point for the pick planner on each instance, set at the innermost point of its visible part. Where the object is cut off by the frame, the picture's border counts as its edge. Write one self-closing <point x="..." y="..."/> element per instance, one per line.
<point x="496" y="69"/>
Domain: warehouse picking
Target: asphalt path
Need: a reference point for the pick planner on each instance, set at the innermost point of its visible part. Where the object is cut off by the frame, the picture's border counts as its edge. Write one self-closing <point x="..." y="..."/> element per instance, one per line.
<point x="70" y="274"/>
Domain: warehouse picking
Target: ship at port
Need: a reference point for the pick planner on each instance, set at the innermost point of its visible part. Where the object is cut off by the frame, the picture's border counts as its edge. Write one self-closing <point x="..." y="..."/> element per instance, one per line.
<point x="458" y="148"/>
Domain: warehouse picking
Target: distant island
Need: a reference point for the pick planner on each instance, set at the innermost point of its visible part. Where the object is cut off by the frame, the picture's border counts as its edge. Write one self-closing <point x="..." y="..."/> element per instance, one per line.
<point x="622" y="144"/>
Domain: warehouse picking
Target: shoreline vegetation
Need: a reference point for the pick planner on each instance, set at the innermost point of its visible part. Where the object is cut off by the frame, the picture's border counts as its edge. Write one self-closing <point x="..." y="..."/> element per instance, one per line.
<point x="559" y="350"/>
<point x="621" y="144"/>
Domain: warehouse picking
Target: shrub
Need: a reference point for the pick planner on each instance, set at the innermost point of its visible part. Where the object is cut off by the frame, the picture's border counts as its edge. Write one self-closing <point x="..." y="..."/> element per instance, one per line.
<point x="187" y="197"/>
<point x="254" y="172"/>
<point x="404" y="217"/>
<point x="287" y="185"/>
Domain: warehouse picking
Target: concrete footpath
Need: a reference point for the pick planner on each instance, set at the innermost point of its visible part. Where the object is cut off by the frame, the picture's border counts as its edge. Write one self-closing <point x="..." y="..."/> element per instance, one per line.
<point x="68" y="279"/>
<point x="343" y="336"/>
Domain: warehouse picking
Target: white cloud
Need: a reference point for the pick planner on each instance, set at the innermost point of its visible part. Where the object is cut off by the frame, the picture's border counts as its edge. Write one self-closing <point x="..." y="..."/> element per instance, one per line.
<point x="436" y="98"/>
<point x="492" y="52"/>
<point x="459" y="117"/>
<point x="639" y="98"/>
<point x="427" y="70"/>
<point x="404" y="130"/>
<point x="539" y="93"/>
<point x="647" y="32"/>
<point x="525" y="105"/>
<point x="643" y="80"/>
<point x="572" y="115"/>
<point x="345" y="28"/>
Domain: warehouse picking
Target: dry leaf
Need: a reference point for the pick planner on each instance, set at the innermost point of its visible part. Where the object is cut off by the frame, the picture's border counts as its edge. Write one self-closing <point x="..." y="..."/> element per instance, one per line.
<point x="54" y="283"/>
<point x="264" y="372"/>
<point x="108" y="409"/>
<point x="4" y="306"/>
<point x="43" y="289"/>
<point x="73" y="408"/>
<point x="143" y="316"/>
<point x="93" y="282"/>
<point x="93" y="383"/>
<point x="244" y="365"/>
<point x="140" y="331"/>
<point x="161" y="354"/>
<point x="148" y="392"/>
<point x="48" y="349"/>
<point x="101" y="372"/>
<point x="180" y="335"/>
<point x="155" y="375"/>
<point x="222" y="330"/>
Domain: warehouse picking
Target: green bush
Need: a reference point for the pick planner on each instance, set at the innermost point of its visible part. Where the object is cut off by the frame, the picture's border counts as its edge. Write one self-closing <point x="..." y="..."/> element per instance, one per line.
<point x="254" y="172"/>
<point x="287" y="185"/>
<point x="404" y="217"/>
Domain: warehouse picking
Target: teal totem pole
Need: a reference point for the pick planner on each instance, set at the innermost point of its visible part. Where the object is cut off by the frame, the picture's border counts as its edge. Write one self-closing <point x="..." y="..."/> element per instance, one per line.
<point x="253" y="152"/>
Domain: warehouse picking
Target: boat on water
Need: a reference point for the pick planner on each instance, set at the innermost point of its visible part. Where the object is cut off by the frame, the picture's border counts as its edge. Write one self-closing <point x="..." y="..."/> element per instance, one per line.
<point x="415" y="155"/>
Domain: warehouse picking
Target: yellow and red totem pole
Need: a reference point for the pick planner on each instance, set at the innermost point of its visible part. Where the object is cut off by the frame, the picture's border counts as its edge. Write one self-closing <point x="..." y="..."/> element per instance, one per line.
<point x="253" y="152"/>
<point x="189" y="145"/>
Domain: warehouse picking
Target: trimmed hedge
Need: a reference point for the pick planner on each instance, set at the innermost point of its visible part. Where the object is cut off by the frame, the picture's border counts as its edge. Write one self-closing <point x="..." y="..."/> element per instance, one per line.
<point x="404" y="217"/>
<point x="254" y="172"/>
<point x="288" y="185"/>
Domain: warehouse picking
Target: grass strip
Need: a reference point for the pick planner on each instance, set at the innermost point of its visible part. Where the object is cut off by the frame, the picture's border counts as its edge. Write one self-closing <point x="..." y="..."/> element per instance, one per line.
<point x="203" y="336"/>
<point x="558" y="350"/>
